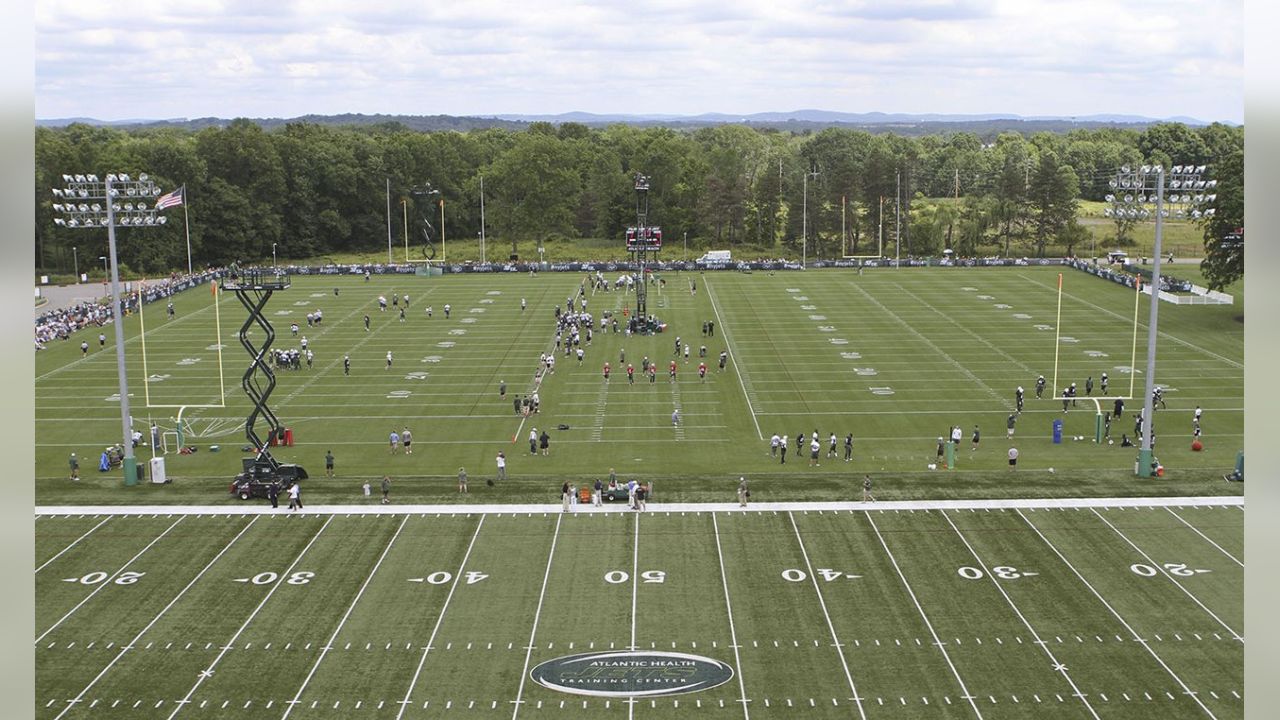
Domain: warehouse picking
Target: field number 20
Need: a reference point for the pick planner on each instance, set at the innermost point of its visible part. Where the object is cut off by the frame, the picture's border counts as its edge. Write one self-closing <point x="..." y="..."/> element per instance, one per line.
<point x="1179" y="569"/>
<point x="93" y="578"/>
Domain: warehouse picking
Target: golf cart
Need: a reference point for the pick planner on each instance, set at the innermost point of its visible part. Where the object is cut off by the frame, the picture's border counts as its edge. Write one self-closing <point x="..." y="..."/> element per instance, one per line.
<point x="259" y="475"/>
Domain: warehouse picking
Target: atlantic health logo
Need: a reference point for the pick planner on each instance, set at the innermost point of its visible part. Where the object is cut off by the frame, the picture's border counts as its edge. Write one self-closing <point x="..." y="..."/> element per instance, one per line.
<point x="631" y="674"/>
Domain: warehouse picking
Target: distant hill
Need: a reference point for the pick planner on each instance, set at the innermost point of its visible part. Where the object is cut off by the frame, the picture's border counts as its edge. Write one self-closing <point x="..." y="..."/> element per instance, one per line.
<point x="985" y="125"/>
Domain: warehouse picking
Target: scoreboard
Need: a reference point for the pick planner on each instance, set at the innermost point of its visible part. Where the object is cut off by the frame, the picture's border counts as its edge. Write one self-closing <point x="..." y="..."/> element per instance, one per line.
<point x="644" y="238"/>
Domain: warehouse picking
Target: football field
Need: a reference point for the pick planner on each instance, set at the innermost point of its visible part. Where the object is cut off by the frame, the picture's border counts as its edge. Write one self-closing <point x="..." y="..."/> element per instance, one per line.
<point x="1007" y="609"/>
<point x="892" y="359"/>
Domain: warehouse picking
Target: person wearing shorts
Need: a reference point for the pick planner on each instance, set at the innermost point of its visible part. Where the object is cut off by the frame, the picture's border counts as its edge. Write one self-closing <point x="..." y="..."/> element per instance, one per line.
<point x="1013" y="458"/>
<point x="462" y="480"/>
<point x="814" y="448"/>
<point x="407" y="438"/>
<point x="976" y="437"/>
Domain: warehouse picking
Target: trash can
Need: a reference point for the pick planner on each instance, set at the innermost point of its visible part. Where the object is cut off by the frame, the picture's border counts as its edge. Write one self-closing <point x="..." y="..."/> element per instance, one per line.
<point x="288" y="437"/>
<point x="1057" y="432"/>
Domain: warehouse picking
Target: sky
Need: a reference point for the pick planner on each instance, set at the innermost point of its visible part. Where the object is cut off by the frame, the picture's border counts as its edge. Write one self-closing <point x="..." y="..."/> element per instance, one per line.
<point x="160" y="59"/>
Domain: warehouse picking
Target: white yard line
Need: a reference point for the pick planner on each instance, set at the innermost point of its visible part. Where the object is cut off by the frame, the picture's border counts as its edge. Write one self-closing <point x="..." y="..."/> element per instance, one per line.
<point x="1169" y="575"/>
<point x="329" y="643"/>
<point x="936" y="640"/>
<point x="132" y="643"/>
<point x="240" y="508"/>
<point x="635" y="590"/>
<point x="208" y="672"/>
<point x="835" y="641"/>
<point x="740" y="370"/>
<point x="1206" y="537"/>
<point x="1061" y="668"/>
<point x="542" y="594"/>
<point x="109" y="580"/>
<point x="733" y="633"/>
<point x="73" y="544"/>
<point x="457" y="578"/>
<point x="1141" y="641"/>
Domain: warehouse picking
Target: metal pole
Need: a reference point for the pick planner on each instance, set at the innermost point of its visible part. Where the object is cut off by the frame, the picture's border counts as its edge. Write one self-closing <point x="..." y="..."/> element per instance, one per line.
<point x="444" y="251"/>
<point x="130" y="463"/>
<point x="897" y="223"/>
<point x="75" y="259"/>
<point x="273" y="256"/>
<point x="482" y="255"/>
<point x="186" y="222"/>
<point x="804" y="222"/>
<point x="686" y="245"/>
<point x="388" y="221"/>
<point x="1145" y="454"/>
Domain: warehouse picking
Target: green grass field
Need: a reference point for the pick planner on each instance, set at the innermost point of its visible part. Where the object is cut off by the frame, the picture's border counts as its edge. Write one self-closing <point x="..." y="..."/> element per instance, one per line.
<point x="897" y="611"/>
<point x="893" y="357"/>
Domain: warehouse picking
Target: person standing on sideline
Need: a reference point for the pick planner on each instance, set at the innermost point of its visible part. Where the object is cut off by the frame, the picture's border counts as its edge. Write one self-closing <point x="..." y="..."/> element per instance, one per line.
<point x="831" y="446"/>
<point x="533" y="441"/>
<point x="814" y="448"/>
<point x="957" y="435"/>
<point x="1008" y="424"/>
<point x="273" y="494"/>
<point x="1013" y="458"/>
<point x="407" y="438"/>
<point x="544" y="442"/>
<point x="75" y="467"/>
<point x="502" y="466"/>
<point x="1088" y="385"/>
<point x="597" y="489"/>
<point x="743" y="492"/>
<point x="462" y="480"/>
<point x="773" y="445"/>
<point x="295" y="496"/>
<point x="1103" y="381"/>
<point x="84" y="348"/>
<point x="564" y="496"/>
<point x="102" y="340"/>
<point x="976" y="437"/>
<point x="782" y="450"/>
<point x="386" y="489"/>
<point x="941" y="448"/>
<point x="328" y="463"/>
<point x="1118" y="408"/>
<point x="848" y="447"/>
<point x="395" y="442"/>
<point x="866" y="489"/>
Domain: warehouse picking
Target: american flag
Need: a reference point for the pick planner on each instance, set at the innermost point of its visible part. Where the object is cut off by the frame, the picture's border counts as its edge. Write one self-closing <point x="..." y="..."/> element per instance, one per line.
<point x="170" y="199"/>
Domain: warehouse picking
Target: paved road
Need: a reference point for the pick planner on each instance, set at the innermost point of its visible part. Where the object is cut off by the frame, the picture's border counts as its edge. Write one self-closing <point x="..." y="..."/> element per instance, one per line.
<point x="61" y="296"/>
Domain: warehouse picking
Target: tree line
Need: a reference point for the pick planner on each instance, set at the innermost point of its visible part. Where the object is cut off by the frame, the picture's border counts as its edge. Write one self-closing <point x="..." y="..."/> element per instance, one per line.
<point x="317" y="189"/>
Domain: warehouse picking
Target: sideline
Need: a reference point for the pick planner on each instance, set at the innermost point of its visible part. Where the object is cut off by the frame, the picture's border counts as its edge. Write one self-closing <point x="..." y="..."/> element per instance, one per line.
<point x="848" y="506"/>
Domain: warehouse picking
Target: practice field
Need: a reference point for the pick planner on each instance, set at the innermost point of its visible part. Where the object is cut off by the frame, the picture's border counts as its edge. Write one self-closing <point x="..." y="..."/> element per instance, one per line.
<point x="1066" y="609"/>
<point x="892" y="357"/>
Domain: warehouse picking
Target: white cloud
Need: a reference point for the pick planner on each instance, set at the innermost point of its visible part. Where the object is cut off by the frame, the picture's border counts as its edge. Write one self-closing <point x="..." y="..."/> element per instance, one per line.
<point x="248" y="58"/>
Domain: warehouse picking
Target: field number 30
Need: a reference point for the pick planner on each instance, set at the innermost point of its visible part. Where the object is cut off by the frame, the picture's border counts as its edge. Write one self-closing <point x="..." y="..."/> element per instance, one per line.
<point x="1004" y="572"/>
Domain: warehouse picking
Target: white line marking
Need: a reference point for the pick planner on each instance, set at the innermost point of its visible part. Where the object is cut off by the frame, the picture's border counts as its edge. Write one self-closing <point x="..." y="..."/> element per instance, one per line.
<point x="279" y="581"/>
<point x="329" y="644"/>
<point x="450" y="510"/>
<point x="830" y="627"/>
<point x="108" y="581"/>
<point x="937" y="641"/>
<point x="738" y="368"/>
<point x="635" y="587"/>
<point x="73" y="544"/>
<point x="1061" y="668"/>
<point x="733" y="633"/>
<point x="1114" y="613"/>
<point x="130" y="645"/>
<point x="1174" y="580"/>
<point x="1206" y="537"/>
<point x="536" y="615"/>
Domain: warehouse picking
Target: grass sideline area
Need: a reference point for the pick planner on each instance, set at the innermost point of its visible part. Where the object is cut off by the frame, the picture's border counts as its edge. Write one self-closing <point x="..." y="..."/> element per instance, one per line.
<point x="894" y="357"/>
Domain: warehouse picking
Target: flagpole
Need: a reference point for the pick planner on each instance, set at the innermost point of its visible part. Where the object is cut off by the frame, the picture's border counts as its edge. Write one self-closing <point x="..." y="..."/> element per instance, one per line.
<point x="186" y="221"/>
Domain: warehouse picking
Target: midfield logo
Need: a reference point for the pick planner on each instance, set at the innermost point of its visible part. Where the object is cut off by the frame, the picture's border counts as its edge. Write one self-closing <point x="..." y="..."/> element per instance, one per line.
<point x="628" y="674"/>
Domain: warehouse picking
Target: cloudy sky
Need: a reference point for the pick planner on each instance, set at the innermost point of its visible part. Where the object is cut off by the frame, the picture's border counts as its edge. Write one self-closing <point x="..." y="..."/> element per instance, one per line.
<point x="114" y="60"/>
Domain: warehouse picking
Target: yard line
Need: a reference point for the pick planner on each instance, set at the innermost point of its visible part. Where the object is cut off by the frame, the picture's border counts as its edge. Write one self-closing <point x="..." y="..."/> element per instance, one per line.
<point x="834" y="640"/>
<point x="443" y="609"/>
<point x="1186" y="690"/>
<point x="733" y="634"/>
<point x="109" y="579"/>
<point x="941" y="353"/>
<point x="328" y="644"/>
<point x="936" y="640"/>
<point x="73" y="544"/>
<point x="740" y="370"/>
<point x="127" y="646"/>
<point x="230" y="643"/>
<point x="1043" y="645"/>
<point x="1166" y="573"/>
<point x="536" y="615"/>
<point x="635" y="586"/>
<point x="1206" y="537"/>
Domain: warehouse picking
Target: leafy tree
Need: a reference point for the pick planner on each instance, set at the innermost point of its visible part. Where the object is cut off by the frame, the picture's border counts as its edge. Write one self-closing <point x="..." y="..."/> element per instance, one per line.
<point x="1223" y="263"/>
<point x="1052" y="197"/>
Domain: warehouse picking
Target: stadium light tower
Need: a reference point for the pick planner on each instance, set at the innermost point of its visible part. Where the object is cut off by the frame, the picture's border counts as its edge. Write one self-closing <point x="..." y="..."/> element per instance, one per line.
<point x="1132" y="190"/>
<point x="804" y="221"/>
<point x="87" y="202"/>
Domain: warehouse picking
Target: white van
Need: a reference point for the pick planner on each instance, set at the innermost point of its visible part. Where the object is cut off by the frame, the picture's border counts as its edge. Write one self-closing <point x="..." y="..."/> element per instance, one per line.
<point x="716" y="256"/>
